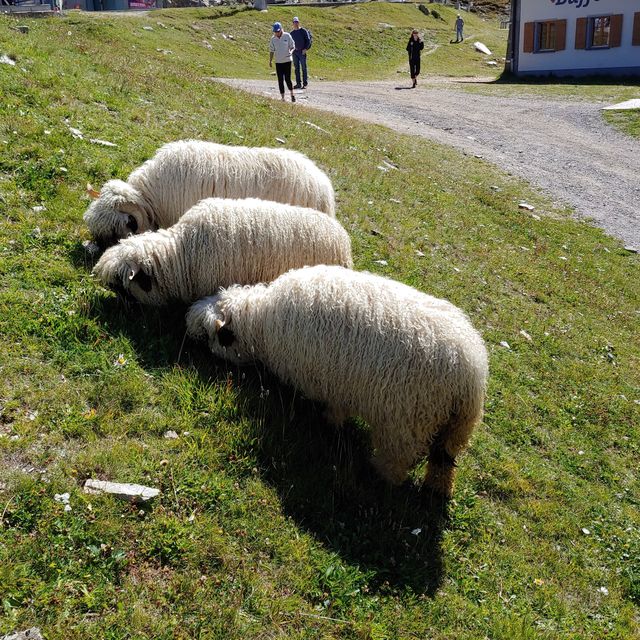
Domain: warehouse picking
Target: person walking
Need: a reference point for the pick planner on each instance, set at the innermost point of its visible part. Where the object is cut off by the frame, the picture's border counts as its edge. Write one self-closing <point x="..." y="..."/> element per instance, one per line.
<point x="281" y="46"/>
<point x="414" y="47"/>
<point x="302" y="40"/>
<point x="459" y="27"/>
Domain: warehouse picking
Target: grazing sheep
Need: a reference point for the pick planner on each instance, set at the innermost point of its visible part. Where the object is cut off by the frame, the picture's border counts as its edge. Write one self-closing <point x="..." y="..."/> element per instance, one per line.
<point x="221" y="242"/>
<point x="182" y="173"/>
<point x="411" y="365"/>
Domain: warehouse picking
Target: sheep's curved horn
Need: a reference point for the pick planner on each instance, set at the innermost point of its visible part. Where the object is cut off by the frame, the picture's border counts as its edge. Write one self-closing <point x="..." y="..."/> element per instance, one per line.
<point x="92" y="192"/>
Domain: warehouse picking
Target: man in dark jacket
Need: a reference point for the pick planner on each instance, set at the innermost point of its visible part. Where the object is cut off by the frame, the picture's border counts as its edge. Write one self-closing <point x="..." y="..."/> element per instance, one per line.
<point x="302" y="41"/>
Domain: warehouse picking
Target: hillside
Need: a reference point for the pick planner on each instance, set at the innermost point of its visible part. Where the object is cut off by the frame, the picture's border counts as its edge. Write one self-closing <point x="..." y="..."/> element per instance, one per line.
<point x="270" y="522"/>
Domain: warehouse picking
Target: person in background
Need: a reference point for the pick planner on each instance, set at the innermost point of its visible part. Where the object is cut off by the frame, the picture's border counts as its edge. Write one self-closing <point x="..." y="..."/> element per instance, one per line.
<point x="302" y="41"/>
<point x="281" y="46"/>
<point x="414" y="47"/>
<point x="459" y="27"/>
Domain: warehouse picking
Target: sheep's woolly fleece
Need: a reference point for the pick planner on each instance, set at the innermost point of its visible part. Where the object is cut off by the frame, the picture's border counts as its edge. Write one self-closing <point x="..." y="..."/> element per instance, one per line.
<point x="181" y="173"/>
<point x="221" y="242"/>
<point x="410" y="364"/>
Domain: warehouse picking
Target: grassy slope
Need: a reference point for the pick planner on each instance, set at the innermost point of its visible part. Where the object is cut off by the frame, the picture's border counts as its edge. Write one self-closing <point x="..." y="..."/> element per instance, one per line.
<point x="270" y="523"/>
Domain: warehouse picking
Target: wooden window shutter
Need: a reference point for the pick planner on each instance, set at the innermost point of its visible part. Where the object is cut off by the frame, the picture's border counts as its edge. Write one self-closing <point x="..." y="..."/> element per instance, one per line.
<point x="581" y="33"/>
<point x="561" y="35"/>
<point x="615" y="36"/>
<point x="636" y="30"/>
<point x="529" y="31"/>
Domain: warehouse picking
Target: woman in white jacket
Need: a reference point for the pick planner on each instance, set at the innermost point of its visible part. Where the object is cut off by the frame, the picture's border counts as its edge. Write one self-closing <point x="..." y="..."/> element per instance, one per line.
<point x="282" y="46"/>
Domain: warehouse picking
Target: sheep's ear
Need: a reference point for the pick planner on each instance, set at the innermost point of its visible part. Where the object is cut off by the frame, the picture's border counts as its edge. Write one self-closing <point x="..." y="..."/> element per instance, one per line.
<point x="141" y="278"/>
<point x="92" y="192"/>
<point x="218" y="324"/>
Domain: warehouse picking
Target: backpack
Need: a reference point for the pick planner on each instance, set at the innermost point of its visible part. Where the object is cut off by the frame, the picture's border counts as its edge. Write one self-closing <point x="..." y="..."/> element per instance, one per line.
<point x="310" y="39"/>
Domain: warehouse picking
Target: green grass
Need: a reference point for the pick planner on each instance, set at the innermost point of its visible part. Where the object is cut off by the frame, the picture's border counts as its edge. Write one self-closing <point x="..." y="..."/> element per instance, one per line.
<point x="270" y="522"/>
<point x="626" y="121"/>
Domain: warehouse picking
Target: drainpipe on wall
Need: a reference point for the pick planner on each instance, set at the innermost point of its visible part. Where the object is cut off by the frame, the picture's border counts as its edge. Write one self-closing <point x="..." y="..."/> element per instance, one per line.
<point x="513" y="41"/>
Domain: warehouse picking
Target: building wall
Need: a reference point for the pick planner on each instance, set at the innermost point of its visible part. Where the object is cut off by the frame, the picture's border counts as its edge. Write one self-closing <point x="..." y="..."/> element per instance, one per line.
<point x="622" y="60"/>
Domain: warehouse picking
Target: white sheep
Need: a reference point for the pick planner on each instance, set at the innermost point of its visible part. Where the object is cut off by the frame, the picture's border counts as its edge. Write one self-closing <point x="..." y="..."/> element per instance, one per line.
<point x="410" y="364"/>
<point x="218" y="243"/>
<point x="182" y="173"/>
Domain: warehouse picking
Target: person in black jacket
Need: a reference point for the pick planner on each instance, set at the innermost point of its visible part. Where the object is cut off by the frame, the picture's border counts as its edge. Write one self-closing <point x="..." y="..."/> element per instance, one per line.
<point x="302" y="40"/>
<point x="415" y="46"/>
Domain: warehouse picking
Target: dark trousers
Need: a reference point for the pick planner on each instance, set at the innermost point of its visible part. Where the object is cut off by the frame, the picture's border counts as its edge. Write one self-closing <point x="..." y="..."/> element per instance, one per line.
<point x="414" y="67"/>
<point x="300" y="60"/>
<point x="283" y="71"/>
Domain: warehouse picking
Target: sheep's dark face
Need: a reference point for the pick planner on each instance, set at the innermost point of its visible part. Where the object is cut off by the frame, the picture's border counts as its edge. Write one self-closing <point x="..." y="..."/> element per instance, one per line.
<point x="224" y="342"/>
<point x="121" y="270"/>
<point x="116" y="213"/>
<point x="208" y="318"/>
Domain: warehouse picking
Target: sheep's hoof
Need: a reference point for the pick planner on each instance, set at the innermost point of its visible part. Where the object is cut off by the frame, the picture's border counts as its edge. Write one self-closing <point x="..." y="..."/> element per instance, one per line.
<point x="439" y="479"/>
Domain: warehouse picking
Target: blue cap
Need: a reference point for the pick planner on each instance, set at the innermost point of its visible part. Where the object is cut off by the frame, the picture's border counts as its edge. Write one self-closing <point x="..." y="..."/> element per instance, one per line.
<point x="277" y="27"/>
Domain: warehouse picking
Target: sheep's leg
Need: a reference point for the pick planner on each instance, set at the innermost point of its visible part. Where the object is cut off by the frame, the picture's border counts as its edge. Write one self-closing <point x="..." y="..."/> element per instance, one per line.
<point x="441" y="467"/>
<point x="335" y="416"/>
<point x="393" y="457"/>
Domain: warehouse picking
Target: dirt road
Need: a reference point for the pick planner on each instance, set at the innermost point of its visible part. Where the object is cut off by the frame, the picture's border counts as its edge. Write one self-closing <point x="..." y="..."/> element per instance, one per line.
<point x="561" y="146"/>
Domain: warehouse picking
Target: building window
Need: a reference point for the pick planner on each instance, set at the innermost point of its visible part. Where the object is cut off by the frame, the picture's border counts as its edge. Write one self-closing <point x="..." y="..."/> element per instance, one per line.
<point x="635" y="36"/>
<point x="545" y="36"/>
<point x="541" y="37"/>
<point x="599" y="30"/>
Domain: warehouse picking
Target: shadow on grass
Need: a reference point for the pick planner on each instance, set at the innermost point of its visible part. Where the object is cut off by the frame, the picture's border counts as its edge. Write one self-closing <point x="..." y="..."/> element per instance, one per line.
<point x="156" y="334"/>
<point x="321" y="473"/>
<point x="328" y="487"/>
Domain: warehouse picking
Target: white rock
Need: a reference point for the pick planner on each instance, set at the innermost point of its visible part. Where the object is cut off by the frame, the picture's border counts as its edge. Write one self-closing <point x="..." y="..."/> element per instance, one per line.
<point x="526" y="205"/>
<point x="104" y="143"/>
<point x="132" y="492"/>
<point x="28" y="634"/>
<point x="5" y="59"/>
<point x="505" y="344"/>
<point x="383" y="263"/>
<point x="482" y="48"/>
<point x="525" y="335"/>
<point x="315" y="126"/>
<point x="170" y="435"/>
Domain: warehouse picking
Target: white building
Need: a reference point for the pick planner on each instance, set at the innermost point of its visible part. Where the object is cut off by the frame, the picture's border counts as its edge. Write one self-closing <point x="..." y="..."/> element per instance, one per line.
<point x="574" y="37"/>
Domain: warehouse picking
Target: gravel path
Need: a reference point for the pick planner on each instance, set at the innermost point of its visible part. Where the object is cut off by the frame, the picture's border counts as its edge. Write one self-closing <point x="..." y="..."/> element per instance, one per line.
<point x="562" y="146"/>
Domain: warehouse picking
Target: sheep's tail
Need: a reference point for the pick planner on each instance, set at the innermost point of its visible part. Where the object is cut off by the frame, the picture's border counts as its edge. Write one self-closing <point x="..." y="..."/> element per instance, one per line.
<point x="451" y="438"/>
